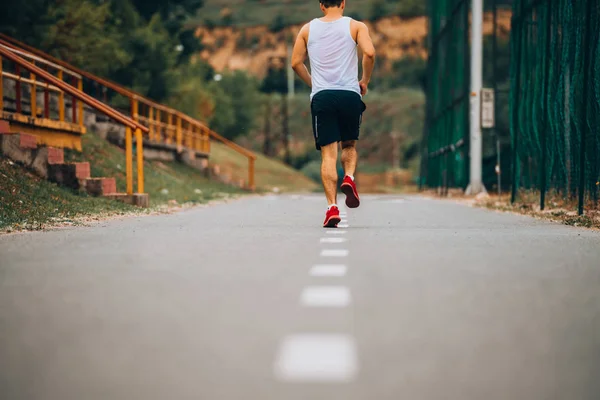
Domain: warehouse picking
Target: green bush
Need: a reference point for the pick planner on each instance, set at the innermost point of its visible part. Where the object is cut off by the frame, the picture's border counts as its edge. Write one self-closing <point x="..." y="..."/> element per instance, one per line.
<point x="278" y="24"/>
<point x="237" y="104"/>
<point x="312" y="170"/>
<point x="378" y="9"/>
<point x="412" y="8"/>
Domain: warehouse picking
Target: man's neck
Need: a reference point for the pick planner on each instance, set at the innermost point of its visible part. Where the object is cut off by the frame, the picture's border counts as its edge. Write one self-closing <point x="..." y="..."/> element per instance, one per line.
<point x="333" y="13"/>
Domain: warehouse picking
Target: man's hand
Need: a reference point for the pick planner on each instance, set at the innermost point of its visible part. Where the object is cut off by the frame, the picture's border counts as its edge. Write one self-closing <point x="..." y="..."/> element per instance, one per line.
<point x="364" y="88"/>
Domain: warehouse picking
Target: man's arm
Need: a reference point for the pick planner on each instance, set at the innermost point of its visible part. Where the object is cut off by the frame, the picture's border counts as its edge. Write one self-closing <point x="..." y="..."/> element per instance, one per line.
<point x="366" y="45"/>
<point x="299" y="55"/>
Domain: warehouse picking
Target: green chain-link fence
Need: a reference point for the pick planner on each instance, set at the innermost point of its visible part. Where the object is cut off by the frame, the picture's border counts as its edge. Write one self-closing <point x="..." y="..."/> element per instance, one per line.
<point x="555" y="98"/>
<point x="447" y="128"/>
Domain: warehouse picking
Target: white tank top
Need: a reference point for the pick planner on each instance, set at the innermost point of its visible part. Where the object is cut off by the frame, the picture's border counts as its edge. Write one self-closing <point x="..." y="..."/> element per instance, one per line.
<point x="333" y="56"/>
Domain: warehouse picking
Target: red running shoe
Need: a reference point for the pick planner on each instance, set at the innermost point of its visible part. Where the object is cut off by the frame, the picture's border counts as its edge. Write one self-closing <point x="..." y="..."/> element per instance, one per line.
<point x="332" y="218"/>
<point x="349" y="189"/>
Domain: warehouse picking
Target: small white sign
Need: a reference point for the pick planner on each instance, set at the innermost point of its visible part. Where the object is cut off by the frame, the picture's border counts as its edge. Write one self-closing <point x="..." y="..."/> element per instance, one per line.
<point x="487" y="108"/>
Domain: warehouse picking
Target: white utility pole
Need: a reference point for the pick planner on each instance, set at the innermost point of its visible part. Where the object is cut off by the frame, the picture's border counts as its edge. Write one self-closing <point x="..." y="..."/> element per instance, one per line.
<point x="476" y="142"/>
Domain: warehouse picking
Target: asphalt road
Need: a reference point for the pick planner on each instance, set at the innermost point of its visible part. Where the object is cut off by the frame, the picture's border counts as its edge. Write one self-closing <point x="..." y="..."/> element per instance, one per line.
<point x="416" y="299"/>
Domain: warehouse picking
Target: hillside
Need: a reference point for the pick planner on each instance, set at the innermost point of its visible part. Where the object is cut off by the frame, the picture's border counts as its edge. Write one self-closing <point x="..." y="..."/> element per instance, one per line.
<point x="245" y="13"/>
<point x="250" y="48"/>
<point x="271" y="174"/>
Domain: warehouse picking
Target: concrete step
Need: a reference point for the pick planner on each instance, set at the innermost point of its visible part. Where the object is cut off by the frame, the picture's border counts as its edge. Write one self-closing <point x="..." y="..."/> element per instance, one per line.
<point x="56" y="156"/>
<point x="70" y="175"/>
<point x="82" y="170"/>
<point x="4" y="127"/>
<point x="137" y="199"/>
<point x="18" y="147"/>
<point x="100" y="186"/>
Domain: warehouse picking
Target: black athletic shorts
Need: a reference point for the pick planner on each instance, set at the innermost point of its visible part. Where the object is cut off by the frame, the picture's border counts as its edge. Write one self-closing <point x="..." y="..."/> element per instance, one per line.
<point x="336" y="116"/>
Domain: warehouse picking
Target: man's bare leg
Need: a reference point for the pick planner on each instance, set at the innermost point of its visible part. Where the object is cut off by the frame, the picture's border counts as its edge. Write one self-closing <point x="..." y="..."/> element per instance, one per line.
<point x="349" y="157"/>
<point x="349" y="160"/>
<point x="329" y="174"/>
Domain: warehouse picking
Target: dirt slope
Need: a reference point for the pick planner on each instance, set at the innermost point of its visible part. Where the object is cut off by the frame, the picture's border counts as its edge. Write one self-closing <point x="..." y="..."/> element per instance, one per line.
<point x="251" y="48"/>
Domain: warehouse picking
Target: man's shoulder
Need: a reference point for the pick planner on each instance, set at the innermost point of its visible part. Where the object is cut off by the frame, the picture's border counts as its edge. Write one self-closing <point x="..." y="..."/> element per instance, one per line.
<point x="357" y="24"/>
<point x="305" y="28"/>
<point x="356" y="27"/>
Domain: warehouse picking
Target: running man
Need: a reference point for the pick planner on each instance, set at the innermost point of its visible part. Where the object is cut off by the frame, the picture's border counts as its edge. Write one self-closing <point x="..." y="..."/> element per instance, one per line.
<point x="336" y="98"/>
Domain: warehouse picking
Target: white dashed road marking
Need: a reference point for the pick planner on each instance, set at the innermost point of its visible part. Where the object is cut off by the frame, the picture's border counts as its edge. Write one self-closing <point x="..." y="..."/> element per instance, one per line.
<point x="325" y="296"/>
<point x="329" y="271"/>
<point x="321" y="358"/>
<point x="333" y="240"/>
<point x="334" y="253"/>
<point x="317" y="358"/>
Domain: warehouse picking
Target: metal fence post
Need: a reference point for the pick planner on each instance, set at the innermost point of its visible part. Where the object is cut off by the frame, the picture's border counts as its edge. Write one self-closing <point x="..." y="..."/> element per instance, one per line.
<point x="18" y="93"/>
<point x="586" y="128"/>
<point x="151" y="123"/>
<point x="251" y="182"/>
<point x="140" y="160"/>
<point x="1" y="88"/>
<point x="129" y="160"/>
<point x="517" y="26"/>
<point x="33" y="94"/>
<point x="61" y="100"/>
<point x="546" y="113"/>
<point x="179" y="137"/>
<point x="495" y="87"/>
<point x="80" y="104"/>
<point x="74" y="103"/>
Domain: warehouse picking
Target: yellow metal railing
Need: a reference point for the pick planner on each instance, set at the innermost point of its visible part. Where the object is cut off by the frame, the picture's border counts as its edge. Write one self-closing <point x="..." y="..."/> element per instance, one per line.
<point x="165" y="125"/>
<point x="56" y="84"/>
<point x="60" y="72"/>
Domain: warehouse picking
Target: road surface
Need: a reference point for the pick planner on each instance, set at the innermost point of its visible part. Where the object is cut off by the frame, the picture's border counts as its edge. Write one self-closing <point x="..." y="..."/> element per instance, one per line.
<point x="415" y="299"/>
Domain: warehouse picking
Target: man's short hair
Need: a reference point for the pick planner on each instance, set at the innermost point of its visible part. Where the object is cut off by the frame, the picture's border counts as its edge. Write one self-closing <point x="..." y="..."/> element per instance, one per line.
<point x="331" y="3"/>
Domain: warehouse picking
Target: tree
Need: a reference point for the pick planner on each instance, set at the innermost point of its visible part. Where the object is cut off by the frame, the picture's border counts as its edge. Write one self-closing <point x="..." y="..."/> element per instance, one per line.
<point x="27" y="21"/>
<point x="278" y="24"/>
<point x="378" y="9"/>
<point x="81" y="35"/>
<point x="152" y="68"/>
<point x="237" y="104"/>
<point x="412" y="8"/>
<point x="192" y="95"/>
<point x="174" y="14"/>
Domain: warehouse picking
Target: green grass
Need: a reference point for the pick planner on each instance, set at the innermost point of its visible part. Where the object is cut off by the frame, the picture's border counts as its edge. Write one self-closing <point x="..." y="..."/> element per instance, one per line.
<point x="164" y="181"/>
<point x="270" y="174"/>
<point x="28" y="202"/>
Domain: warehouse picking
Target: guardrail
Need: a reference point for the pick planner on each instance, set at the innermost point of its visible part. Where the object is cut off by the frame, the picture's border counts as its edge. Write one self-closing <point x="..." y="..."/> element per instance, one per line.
<point x="56" y="84"/>
<point x="165" y="125"/>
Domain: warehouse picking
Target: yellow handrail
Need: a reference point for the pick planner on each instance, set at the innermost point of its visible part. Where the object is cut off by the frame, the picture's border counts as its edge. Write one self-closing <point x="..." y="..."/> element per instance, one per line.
<point x="251" y="156"/>
<point x="90" y="101"/>
<point x="197" y="133"/>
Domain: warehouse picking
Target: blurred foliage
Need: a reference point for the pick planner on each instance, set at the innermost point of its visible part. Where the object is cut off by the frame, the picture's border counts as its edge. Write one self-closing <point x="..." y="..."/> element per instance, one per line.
<point x="378" y="10"/>
<point x="138" y="43"/>
<point x="278" y="24"/>
<point x="237" y="104"/>
<point x="411" y="8"/>
<point x="192" y="95"/>
<point x="98" y="40"/>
